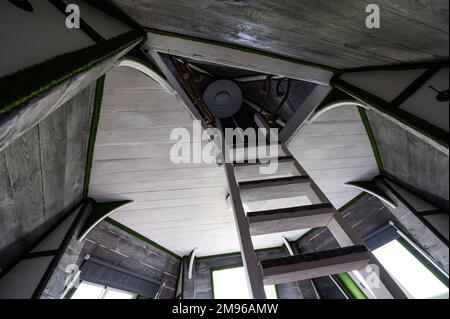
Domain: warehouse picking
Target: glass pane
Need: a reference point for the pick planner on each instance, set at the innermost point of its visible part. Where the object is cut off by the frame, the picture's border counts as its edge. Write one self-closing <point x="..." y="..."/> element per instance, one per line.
<point x="232" y="284"/>
<point x="88" y="291"/>
<point x="117" y="294"/>
<point x="409" y="272"/>
<point x="271" y="292"/>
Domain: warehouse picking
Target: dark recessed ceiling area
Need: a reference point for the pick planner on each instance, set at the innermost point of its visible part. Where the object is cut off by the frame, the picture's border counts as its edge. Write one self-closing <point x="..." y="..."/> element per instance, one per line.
<point x="274" y="97"/>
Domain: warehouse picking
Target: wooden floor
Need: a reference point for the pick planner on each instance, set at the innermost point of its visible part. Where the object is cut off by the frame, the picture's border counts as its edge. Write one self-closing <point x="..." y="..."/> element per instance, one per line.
<point x="180" y="206"/>
<point x="333" y="150"/>
<point x="332" y="33"/>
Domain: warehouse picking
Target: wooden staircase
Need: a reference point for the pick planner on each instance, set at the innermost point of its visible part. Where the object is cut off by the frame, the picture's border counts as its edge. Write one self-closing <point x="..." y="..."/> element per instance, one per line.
<point x="284" y="201"/>
<point x="298" y="207"/>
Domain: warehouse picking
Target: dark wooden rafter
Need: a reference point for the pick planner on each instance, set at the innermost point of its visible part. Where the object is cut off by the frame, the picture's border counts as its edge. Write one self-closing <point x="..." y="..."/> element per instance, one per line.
<point x="84" y="209"/>
<point x="373" y="142"/>
<point x="23" y="4"/>
<point x="431" y="132"/>
<point x="36" y="99"/>
<point x="93" y="133"/>
<point x="45" y="253"/>
<point x="414" y="86"/>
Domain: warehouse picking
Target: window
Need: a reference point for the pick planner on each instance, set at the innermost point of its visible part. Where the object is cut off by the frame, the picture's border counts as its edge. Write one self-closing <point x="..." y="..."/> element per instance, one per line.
<point x="231" y="283"/>
<point x="413" y="274"/>
<point x="87" y="290"/>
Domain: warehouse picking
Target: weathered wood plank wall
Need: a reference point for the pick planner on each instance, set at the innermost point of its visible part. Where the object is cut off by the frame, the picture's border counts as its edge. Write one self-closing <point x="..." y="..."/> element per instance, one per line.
<point x="42" y="175"/>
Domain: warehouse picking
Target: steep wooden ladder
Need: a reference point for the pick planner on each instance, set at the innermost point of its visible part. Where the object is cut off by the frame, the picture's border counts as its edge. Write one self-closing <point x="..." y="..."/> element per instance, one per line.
<point x="292" y="201"/>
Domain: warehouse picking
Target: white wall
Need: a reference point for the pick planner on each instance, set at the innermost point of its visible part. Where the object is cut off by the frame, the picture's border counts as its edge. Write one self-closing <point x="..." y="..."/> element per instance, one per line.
<point x="105" y="25"/>
<point x="28" y="38"/>
<point x="22" y="280"/>
<point x="334" y="150"/>
<point x="424" y="105"/>
<point x="384" y="84"/>
<point x="387" y="85"/>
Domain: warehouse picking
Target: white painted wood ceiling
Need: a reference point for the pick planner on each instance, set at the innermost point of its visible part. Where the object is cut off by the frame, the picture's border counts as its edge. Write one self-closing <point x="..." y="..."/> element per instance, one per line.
<point x="333" y="150"/>
<point x="179" y="206"/>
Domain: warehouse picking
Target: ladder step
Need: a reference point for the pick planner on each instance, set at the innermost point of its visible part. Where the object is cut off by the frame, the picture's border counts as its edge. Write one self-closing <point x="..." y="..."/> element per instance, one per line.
<point x="242" y="154"/>
<point x="287" y="219"/>
<point x="281" y="159"/>
<point x="282" y="181"/>
<point x="277" y="193"/>
<point x="313" y="265"/>
<point x="285" y="167"/>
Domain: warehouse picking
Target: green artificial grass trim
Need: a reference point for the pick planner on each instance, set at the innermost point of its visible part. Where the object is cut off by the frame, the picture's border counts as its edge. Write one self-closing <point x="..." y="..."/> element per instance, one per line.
<point x="373" y="142"/>
<point x="233" y="254"/>
<point x="241" y="48"/>
<point x="237" y="253"/>
<point x="93" y="134"/>
<point x="26" y="84"/>
<point x="351" y="286"/>
<point x="141" y="237"/>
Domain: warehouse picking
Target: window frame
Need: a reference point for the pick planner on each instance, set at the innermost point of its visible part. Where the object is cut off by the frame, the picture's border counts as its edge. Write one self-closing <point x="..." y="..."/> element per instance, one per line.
<point x="219" y="268"/>
<point x="418" y="255"/>
<point x="104" y="292"/>
<point x="424" y="261"/>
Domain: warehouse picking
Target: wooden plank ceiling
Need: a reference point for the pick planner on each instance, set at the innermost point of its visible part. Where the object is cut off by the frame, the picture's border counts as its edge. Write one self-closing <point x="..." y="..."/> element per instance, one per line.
<point x="180" y="206"/>
<point x="333" y="150"/>
<point x="331" y="33"/>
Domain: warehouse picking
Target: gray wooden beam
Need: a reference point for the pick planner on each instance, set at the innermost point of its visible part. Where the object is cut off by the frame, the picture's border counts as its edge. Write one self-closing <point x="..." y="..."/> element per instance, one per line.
<point x="249" y="259"/>
<point x="277" y="189"/>
<point x="242" y="59"/>
<point x="21" y="119"/>
<point x="176" y="86"/>
<point x="251" y="171"/>
<point x="303" y="113"/>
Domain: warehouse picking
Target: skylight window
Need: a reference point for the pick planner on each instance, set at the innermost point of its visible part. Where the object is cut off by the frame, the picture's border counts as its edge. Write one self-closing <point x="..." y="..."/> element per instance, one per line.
<point x="409" y="272"/>
<point x="231" y="284"/>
